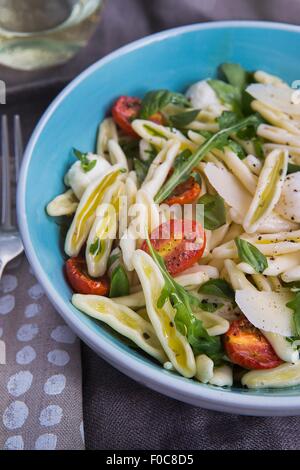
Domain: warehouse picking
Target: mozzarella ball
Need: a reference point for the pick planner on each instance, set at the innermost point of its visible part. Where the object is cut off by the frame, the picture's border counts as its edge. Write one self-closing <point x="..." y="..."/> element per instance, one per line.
<point x="78" y="179"/>
<point x="202" y="95"/>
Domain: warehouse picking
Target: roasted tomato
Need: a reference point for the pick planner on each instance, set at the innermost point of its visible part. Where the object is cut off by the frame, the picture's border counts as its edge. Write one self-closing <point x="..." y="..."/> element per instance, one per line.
<point x="246" y="346"/>
<point x="180" y="242"/>
<point x="126" y="109"/>
<point x="81" y="282"/>
<point x="185" y="193"/>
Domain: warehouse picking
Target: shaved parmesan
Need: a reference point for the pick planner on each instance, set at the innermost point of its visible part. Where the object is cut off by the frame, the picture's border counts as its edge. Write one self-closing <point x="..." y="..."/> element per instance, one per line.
<point x="267" y="310"/>
<point x="228" y="187"/>
<point x="281" y="98"/>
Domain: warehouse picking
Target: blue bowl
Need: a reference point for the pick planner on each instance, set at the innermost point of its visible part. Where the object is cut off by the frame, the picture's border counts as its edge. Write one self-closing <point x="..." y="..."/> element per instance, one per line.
<point x="172" y="59"/>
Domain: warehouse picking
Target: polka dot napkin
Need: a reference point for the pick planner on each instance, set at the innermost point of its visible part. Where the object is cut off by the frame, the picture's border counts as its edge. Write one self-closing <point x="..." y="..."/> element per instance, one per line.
<point x="40" y="368"/>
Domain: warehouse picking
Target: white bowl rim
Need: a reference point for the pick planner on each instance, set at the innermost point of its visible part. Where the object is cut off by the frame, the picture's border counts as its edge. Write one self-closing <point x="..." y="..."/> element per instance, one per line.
<point x="172" y="385"/>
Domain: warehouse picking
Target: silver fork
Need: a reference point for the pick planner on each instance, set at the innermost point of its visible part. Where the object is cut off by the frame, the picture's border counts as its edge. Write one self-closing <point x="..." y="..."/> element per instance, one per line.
<point x="10" y="240"/>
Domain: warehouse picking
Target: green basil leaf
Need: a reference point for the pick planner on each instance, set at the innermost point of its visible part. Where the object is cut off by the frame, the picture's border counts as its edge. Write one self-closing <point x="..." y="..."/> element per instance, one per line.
<point x="251" y="255"/>
<point x="236" y="75"/>
<point x="119" y="284"/>
<point x="214" y="211"/>
<point x="157" y="100"/>
<point x="95" y="248"/>
<point x="293" y="168"/>
<point x="295" y="306"/>
<point x="217" y="288"/>
<point x="86" y="164"/>
<point x="183" y="119"/>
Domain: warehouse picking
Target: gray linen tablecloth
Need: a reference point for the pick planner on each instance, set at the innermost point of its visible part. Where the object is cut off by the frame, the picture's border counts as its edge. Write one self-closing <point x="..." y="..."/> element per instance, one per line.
<point x="118" y="412"/>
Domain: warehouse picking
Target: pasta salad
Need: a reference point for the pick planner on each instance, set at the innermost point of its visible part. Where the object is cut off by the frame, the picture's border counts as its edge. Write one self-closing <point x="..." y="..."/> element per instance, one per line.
<point x="184" y="228"/>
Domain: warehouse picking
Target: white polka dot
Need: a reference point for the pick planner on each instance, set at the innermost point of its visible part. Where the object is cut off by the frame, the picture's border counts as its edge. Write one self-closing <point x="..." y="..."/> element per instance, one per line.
<point x="32" y="310"/>
<point x="58" y="357"/>
<point x="15" y="415"/>
<point x="19" y="383"/>
<point x="14" y="443"/>
<point x="1" y="331"/>
<point x="26" y="355"/>
<point x="36" y="292"/>
<point x="81" y="430"/>
<point x="63" y="334"/>
<point x="8" y="283"/>
<point x="55" y="384"/>
<point x="51" y="415"/>
<point x="7" y="304"/>
<point x="27" y="332"/>
<point x="46" y="442"/>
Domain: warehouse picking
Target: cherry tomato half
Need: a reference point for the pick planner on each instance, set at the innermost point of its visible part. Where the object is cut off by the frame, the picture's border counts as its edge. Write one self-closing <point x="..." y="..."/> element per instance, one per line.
<point x="246" y="346"/>
<point x="81" y="282"/>
<point x="185" y="193"/>
<point x="180" y="242"/>
<point x="124" y="111"/>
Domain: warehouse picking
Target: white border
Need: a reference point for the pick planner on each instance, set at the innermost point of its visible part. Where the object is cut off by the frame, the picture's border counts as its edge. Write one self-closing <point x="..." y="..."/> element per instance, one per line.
<point x="190" y="392"/>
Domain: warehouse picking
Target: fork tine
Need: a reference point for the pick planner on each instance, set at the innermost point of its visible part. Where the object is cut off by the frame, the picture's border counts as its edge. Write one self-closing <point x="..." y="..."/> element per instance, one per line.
<point x="18" y="144"/>
<point x="6" y="196"/>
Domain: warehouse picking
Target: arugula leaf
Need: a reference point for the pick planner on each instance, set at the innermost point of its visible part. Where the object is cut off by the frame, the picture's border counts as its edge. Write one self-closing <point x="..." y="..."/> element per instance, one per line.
<point x="185" y="320"/>
<point x="130" y="147"/>
<point x="229" y="118"/>
<point x="295" y="305"/>
<point x="237" y="148"/>
<point x="96" y="247"/>
<point x="206" y="134"/>
<point x="236" y="75"/>
<point x="217" y="288"/>
<point x="157" y="100"/>
<point x="185" y="168"/>
<point x="183" y="119"/>
<point x="251" y="255"/>
<point x="293" y="168"/>
<point x="86" y="164"/>
<point x="258" y="147"/>
<point x="141" y="169"/>
<point x="214" y="211"/>
<point x="151" y="152"/>
<point x="119" y="284"/>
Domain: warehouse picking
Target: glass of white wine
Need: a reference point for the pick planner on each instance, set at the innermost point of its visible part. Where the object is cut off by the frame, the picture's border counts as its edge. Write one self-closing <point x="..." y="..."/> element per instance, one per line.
<point x="39" y="33"/>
